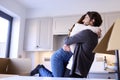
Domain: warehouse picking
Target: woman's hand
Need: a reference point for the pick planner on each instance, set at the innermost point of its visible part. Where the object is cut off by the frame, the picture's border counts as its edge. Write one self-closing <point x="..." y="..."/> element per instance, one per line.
<point x="66" y="47"/>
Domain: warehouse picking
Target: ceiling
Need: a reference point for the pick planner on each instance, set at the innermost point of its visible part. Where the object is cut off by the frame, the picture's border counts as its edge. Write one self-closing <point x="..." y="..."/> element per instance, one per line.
<point x="49" y="3"/>
<point x="68" y="7"/>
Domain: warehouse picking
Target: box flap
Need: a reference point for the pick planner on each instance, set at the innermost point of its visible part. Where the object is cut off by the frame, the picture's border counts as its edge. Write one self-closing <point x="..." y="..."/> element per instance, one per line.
<point x="103" y="44"/>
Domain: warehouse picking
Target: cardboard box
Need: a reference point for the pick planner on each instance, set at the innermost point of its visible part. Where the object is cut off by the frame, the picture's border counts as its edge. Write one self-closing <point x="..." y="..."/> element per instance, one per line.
<point x="16" y="66"/>
<point x="110" y="41"/>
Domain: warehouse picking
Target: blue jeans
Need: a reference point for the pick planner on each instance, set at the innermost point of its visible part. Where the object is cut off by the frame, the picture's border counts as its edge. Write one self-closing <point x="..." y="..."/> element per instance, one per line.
<point x="59" y="60"/>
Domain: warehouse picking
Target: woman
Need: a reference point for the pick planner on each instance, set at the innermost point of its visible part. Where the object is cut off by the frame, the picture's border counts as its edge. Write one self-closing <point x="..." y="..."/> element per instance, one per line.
<point x="59" y="60"/>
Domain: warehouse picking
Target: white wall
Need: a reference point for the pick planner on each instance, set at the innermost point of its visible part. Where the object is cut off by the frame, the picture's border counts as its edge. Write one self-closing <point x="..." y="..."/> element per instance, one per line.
<point x="19" y="13"/>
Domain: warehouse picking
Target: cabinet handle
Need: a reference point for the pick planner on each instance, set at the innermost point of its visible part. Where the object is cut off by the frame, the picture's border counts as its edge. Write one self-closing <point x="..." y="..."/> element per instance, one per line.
<point x="37" y="46"/>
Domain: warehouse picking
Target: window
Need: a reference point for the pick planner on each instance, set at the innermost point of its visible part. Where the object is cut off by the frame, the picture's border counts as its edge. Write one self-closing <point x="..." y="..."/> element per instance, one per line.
<point x="5" y="34"/>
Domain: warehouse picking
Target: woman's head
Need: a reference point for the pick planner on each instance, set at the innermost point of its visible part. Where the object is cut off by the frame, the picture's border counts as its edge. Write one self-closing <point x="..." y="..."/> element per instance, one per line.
<point x="91" y="18"/>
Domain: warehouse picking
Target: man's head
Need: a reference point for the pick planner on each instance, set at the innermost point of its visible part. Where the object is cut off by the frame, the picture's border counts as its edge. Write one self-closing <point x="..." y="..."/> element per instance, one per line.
<point x="92" y="18"/>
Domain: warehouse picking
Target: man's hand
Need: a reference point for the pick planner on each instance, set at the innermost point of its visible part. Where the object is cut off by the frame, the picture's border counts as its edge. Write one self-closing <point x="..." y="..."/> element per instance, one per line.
<point x="66" y="47"/>
<point x="97" y="30"/>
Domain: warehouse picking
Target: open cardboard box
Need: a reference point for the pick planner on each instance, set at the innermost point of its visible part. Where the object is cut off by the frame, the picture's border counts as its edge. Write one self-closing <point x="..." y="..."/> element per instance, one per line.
<point x="15" y="66"/>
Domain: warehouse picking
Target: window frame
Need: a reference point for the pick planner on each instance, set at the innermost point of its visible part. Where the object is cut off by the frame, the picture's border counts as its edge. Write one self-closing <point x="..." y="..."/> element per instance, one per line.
<point x="10" y="19"/>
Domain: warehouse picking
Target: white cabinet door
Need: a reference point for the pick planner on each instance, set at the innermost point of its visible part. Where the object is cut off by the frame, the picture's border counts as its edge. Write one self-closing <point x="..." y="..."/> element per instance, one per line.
<point x="61" y="25"/>
<point x="38" y="34"/>
<point x="45" y="34"/>
<point x="31" y="34"/>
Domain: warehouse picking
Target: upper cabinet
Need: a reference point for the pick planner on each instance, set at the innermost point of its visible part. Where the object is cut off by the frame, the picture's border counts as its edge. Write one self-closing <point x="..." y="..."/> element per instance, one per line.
<point x="38" y="34"/>
<point x="43" y="34"/>
<point x="61" y="25"/>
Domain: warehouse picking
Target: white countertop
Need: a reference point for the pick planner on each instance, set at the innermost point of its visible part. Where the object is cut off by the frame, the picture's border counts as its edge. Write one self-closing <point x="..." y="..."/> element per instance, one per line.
<point x="45" y="78"/>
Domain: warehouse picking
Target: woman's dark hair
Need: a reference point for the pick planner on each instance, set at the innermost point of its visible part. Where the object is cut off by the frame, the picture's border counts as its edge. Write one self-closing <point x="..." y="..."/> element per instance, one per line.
<point x="96" y="16"/>
<point x="80" y="21"/>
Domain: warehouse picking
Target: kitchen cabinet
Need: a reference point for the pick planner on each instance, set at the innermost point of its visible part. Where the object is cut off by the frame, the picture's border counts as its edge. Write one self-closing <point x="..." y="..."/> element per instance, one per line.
<point x="61" y="25"/>
<point x="38" y="34"/>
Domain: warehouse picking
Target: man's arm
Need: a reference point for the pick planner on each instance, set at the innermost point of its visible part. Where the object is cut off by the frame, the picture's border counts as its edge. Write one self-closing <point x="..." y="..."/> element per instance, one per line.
<point x="78" y="38"/>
